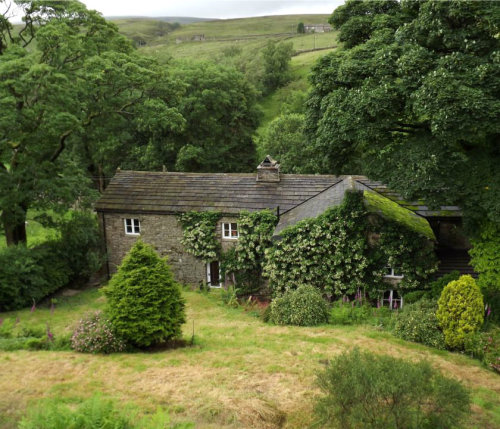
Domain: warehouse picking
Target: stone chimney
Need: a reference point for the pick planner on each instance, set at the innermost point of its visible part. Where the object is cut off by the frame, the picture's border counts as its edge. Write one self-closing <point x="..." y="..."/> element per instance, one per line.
<point x="268" y="170"/>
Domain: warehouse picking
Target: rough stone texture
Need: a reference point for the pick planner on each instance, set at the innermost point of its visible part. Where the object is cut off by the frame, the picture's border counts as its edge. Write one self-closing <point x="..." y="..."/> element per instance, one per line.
<point x="164" y="233"/>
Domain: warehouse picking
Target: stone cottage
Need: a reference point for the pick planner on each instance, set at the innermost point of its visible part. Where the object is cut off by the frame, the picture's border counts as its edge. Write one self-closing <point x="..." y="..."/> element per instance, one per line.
<point x="147" y="204"/>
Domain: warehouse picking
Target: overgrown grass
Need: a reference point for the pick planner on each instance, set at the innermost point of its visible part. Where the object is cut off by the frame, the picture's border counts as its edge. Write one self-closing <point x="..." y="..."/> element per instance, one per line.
<point x="239" y="373"/>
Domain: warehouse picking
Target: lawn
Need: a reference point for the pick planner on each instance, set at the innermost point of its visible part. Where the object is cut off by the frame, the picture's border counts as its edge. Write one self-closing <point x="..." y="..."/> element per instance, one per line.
<point x="239" y="373"/>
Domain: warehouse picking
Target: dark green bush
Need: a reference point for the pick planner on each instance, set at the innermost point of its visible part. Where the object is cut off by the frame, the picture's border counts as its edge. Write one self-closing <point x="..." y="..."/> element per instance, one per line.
<point x="80" y="241"/>
<point x="437" y="286"/>
<point x="28" y="275"/>
<point x="363" y="390"/>
<point x="303" y="306"/>
<point x="418" y="323"/>
<point x="145" y="305"/>
<point x="31" y="274"/>
<point x="414" y="296"/>
<point x="485" y="346"/>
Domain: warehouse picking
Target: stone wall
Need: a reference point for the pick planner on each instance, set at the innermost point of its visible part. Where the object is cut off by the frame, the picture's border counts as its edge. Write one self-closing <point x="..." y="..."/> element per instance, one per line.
<point x="164" y="233"/>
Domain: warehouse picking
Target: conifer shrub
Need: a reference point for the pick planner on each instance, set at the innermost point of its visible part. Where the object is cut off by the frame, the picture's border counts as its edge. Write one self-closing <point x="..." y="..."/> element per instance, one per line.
<point x="418" y="323"/>
<point x="145" y="305"/>
<point x="363" y="390"/>
<point x="303" y="306"/>
<point x="460" y="311"/>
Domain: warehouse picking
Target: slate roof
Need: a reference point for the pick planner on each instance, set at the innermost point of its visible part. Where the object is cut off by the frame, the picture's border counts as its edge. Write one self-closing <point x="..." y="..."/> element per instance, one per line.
<point x="229" y="193"/>
<point x="333" y="196"/>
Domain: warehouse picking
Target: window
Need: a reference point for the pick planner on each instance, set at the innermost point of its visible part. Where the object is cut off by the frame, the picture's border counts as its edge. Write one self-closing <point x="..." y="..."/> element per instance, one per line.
<point x="230" y="231"/>
<point x="392" y="273"/>
<point x="132" y="226"/>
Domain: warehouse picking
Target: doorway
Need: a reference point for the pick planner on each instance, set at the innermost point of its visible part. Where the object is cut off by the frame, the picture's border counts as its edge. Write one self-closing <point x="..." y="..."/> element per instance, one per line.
<point x="213" y="274"/>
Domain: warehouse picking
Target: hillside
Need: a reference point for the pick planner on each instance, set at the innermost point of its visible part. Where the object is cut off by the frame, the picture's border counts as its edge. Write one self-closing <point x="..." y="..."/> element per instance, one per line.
<point x="237" y="42"/>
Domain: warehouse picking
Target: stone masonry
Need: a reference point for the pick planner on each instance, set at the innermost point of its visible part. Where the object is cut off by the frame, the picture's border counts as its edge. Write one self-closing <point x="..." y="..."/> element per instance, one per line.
<point x="164" y="233"/>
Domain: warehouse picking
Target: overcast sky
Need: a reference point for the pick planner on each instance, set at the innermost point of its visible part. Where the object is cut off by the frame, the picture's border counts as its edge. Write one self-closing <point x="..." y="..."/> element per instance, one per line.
<point x="211" y="8"/>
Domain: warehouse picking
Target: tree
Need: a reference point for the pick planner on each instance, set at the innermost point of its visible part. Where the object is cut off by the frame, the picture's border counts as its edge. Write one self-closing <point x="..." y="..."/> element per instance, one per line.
<point x="284" y="139"/>
<point x="219" y="107"/>
<point x="300" y="28"/>
<point x="413" y="100"/>
<point x="145" y="305"/>
<point x="67" y="80"/>
<point x="277" y="58"/>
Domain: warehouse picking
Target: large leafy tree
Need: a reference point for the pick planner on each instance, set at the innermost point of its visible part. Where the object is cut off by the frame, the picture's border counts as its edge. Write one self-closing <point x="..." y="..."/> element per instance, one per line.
<point x="219" y="107"/>
<point x="413" y="99"/>
<point x="67" y="82"/>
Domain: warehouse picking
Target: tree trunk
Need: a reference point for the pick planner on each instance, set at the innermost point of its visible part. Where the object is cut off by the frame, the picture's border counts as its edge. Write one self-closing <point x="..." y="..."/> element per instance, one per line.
<point x="15" y="226"/>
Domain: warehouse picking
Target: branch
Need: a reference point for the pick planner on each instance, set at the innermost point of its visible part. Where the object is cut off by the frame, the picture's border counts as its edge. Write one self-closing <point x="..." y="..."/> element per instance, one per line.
<point x="61" y="147"/>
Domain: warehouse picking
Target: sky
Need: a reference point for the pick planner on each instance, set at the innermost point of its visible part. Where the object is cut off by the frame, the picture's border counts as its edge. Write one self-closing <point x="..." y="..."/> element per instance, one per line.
<point x="211" y="8"/>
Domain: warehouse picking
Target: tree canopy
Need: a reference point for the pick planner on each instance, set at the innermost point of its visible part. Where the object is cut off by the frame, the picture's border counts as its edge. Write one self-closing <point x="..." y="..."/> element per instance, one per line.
<point x="67" y="78"/>
<point x="412" y="99"/>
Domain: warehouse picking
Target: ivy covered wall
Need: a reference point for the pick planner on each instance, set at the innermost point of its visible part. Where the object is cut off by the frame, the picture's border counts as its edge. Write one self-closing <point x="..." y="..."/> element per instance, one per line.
<point x="346" y="249"/>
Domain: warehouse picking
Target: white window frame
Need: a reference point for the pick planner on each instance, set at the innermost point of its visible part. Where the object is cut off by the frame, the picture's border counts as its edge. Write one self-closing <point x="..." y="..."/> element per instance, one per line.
<point x="230" y="236"/>
<point x="134" y="224"/>
<point x="392" y="275"/>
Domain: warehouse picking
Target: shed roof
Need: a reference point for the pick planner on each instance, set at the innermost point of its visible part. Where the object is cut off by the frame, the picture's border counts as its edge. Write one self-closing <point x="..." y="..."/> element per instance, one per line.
<point x="229" y="193"/>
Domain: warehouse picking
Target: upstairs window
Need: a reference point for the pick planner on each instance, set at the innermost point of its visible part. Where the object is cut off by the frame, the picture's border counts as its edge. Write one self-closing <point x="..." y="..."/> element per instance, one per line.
<point x="230" y="231"/>
<point x="392" y="273"/>
<point x="132" y="227"/>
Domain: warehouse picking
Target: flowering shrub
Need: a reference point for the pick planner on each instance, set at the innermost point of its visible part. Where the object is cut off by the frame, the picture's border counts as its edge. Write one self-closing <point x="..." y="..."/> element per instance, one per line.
<point x="199" y="234"/>
<point x="95" y="334"/>
<point x="460" y="311"/>
<point x="303" y="307"/>
<point x="418" y="323"/>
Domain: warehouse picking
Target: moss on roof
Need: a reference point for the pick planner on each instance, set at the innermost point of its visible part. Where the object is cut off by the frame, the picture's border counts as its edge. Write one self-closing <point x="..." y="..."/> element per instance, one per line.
<point x="376" y="203"/>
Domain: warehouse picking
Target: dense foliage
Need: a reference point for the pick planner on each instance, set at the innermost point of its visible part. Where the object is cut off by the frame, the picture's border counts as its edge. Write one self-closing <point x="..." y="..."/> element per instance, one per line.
<point x="333" y="252"/>
<point x="219" y="108"/>
<point x="71" y="91"/>
<point x="277" y="58"/>
<point x="418" y="323"/>
<point x="371" y="391"/>
<point x="198" y="236"/>
<point x="486" y="262"/>
<point x="303" y="306"/>
<point x="284" y="138"/>
<point x="460" y="311"/>
<point x="144" y="305"/>
<point x="412" y="100"/>
<point x="246" y="259"/>
<point x="95" y="334"/>
<point x="92" y="413"/>
<point x="29" y="274"/>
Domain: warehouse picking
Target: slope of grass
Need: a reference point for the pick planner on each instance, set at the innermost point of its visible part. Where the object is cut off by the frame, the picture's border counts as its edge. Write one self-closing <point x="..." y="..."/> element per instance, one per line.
<point x="240" y="372"/>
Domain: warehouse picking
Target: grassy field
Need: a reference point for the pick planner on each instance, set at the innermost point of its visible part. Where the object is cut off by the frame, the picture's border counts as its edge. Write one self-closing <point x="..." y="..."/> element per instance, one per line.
<point x="240" y="372"/>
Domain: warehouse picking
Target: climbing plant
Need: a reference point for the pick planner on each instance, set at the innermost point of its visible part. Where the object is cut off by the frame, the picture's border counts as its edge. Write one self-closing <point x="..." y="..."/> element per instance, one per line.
<point x="346" y="249"/>
<point x="199" y="237"/>
<point x="246" y="259"/>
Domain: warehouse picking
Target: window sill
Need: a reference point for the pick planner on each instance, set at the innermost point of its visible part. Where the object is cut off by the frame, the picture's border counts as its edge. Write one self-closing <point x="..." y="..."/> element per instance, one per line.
<point x="132" y="234"/>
